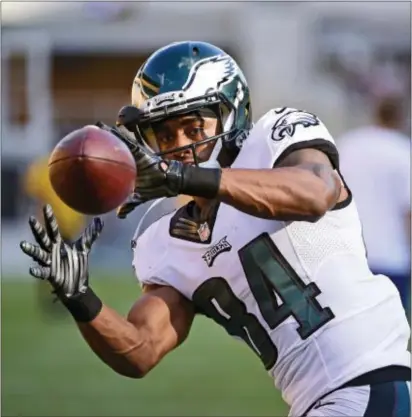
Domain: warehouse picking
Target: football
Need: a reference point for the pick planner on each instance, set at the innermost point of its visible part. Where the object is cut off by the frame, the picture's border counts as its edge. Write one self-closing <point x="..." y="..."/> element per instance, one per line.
<point x="92" y="170"/>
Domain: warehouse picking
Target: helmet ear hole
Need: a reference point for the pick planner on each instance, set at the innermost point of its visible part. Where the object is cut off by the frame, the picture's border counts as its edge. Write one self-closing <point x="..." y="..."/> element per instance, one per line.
<point x="195" y="51"/>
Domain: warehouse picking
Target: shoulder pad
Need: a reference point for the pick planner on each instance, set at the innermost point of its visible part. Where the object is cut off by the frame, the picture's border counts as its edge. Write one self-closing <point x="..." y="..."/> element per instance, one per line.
<point x="156" y="210"/>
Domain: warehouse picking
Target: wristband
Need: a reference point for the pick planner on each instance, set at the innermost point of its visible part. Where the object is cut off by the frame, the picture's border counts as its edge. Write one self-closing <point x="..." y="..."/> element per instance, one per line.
<point x="84" y="307"/>
<point x="200" y="182"/>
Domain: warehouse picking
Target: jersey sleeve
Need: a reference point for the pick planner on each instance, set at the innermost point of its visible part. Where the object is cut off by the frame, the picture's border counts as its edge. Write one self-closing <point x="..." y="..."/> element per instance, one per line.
<point x="147" y="270"/>
<point x="287" y="130"/>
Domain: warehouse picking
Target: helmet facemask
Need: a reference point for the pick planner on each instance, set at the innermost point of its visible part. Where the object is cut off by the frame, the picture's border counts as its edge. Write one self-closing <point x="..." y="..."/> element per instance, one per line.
<point x="176" y="81"/>
<point x="221" y="109"/>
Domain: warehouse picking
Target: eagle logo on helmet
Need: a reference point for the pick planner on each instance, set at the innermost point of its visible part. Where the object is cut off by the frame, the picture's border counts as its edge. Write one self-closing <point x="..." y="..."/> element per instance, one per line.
<point x="216" y="71"/>
<point x="286" y="125"/>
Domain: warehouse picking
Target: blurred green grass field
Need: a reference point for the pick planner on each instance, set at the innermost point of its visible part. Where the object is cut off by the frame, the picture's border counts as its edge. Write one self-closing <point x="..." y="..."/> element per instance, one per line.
<point x="48" y="370"/>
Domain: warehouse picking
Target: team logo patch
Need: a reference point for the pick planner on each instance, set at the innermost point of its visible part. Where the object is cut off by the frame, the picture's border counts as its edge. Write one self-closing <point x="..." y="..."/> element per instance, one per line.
<point x="222" y="246"/>
<point x="203" y="231"/>
<point x="286" y="125"/>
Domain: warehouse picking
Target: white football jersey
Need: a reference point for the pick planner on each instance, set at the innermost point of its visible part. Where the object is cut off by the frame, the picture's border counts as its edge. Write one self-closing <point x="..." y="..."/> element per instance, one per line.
<point x="300" y="294"/>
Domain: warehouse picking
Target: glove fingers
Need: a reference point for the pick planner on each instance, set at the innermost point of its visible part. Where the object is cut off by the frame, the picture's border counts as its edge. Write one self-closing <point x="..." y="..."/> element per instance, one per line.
<point x="40" y="234"/>
<point x="126" y="136"/>
<point x="40" y="272"/>
<point x="102" y="125"/>
<point x="142" y="150"/>
<point x="125" y="209"/>
<point x="132" y="202"/>
<point x="91" y="233"/>
<point x="65" y="269"/>
<point x="51" y="223"/>
<point x="121" y="132"/>
<point x="56" y="262"/>
<point x="36" y="253"/>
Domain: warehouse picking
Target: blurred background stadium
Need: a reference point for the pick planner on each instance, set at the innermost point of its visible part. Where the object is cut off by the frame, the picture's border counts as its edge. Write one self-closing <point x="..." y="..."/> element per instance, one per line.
<point x="68" y="64"/>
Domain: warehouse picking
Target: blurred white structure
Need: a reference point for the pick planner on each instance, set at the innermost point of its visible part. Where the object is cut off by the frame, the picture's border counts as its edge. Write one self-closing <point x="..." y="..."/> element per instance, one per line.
<point x="279" y="45"/>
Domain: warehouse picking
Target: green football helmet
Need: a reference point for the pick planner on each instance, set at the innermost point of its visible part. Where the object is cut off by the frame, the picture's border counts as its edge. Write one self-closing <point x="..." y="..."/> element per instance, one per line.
<point x="186" y="77"/>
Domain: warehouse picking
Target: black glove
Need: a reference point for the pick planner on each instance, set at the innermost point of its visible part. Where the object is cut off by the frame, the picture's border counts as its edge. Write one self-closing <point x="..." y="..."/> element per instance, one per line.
<point x="131" y="142"/>
<point x="128" y="138"/>
<point x="63" y="265"/>
<point x="126" y="127"/>
<point x="128" y="206"/>
<point x="155" y="177"/>
<point x="158" y="177"/>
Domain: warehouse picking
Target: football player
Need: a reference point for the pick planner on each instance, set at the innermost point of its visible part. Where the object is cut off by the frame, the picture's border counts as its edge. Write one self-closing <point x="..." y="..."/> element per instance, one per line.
<point x="270" y="247"/>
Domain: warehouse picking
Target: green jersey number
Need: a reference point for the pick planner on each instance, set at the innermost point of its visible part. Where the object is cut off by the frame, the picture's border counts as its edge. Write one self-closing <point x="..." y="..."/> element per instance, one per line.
<point x="267" y="273"/>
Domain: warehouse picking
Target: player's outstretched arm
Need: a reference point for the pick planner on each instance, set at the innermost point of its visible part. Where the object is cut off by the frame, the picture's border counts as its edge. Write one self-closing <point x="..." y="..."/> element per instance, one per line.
<point x="304" y="186"/>
<point x="157" y="323"/>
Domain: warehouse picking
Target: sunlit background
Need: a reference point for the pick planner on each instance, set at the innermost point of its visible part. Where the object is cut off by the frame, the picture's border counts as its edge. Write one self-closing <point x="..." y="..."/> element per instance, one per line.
<point x="65" y="65"/>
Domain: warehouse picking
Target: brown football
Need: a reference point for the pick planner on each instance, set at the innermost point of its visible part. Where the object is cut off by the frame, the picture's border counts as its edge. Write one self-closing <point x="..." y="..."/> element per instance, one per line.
<point x="92" y="170"/>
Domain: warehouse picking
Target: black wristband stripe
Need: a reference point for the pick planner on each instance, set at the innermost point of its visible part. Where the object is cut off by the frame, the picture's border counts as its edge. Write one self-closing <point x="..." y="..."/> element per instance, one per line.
<point x="84" y="307"/>
<point x="200" y="182"/>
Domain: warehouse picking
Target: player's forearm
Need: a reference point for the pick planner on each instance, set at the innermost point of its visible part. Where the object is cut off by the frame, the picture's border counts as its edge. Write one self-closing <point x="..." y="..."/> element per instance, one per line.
<point x="119" y="343"/>
<point x="290" y="193"/>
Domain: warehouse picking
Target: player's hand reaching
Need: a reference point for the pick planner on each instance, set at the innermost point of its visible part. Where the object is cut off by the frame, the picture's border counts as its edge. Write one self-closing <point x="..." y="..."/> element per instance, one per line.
<point x="64" y="265"/>
<point x="158" y="177"/>
<point x="122" y="133"/>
